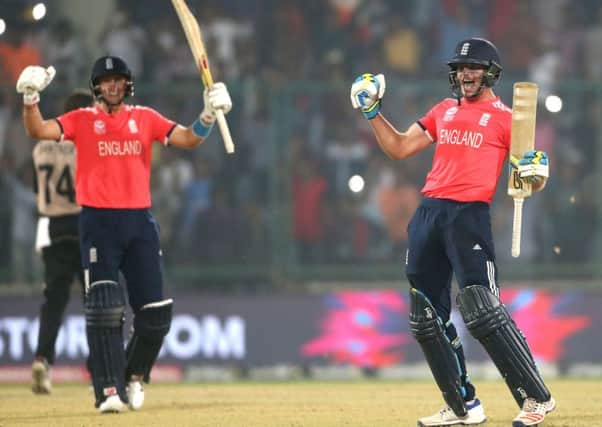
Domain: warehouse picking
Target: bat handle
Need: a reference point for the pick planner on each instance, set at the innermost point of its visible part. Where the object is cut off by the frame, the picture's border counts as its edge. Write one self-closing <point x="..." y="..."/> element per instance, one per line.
<point x="225" y="131"/>
<point x="517" y="225"/>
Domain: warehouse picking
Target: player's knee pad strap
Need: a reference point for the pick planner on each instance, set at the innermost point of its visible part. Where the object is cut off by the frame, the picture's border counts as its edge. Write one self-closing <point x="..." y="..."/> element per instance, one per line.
<point x="151" y="324"/>
<point x="489" y="322"/>
<point x="105" y="311"/>
<point x="428" y="329"/>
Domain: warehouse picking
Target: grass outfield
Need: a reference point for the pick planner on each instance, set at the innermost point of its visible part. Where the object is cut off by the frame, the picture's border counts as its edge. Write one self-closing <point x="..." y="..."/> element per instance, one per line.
<point x="297" y="404"/>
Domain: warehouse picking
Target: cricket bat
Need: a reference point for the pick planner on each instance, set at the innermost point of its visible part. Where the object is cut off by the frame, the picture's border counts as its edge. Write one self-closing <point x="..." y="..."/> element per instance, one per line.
<point x="524" y="109"/>
<point x="195" y="41"/>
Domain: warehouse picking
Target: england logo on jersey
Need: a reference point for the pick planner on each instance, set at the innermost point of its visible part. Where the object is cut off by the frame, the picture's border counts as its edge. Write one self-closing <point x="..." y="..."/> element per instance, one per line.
<point x="132" y="126"/>
<point x="484" y="119"/>
<point x="100" y="127"/>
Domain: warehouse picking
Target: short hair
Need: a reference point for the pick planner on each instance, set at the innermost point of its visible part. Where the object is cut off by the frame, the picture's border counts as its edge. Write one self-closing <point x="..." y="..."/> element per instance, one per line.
<point x="79" y="98"/>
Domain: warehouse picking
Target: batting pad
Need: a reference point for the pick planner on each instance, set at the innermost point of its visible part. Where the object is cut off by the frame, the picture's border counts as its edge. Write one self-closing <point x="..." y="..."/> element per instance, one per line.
<point x="151" y="324"/>
<point x="489" y="322"/>
<point x="105" y="311"/>
<point x="429" y="331"/>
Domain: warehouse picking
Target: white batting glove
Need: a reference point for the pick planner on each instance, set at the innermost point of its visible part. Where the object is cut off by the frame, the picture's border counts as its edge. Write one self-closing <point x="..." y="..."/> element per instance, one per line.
<point x="366" y="93"/>
<point x="32" y="81"/>
<point x="217" y="98"/>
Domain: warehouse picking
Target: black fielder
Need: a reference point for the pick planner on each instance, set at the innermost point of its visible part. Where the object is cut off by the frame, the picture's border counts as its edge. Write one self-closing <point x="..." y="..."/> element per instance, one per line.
<point x="57" y="239"/>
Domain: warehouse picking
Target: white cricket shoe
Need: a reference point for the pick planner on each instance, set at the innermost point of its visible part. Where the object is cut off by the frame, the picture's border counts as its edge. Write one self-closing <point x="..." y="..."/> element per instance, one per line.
<point x="112" y="404"/>
<point x="533" y="412"/>
<point x="41" y="379"/>
<point x="135" y="392"/>
<point x="550" y="405"/>
<point x="446" y="416"/>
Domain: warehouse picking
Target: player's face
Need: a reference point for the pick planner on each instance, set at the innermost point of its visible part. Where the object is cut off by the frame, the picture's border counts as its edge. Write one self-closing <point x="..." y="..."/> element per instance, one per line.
<point x="112" y="88"/>
<point x="470" y="77"/>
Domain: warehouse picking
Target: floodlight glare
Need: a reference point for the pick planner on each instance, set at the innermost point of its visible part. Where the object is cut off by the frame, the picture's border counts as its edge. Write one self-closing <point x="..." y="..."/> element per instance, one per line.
<point x="39" y="11"/>
<point x="356" y="183"/>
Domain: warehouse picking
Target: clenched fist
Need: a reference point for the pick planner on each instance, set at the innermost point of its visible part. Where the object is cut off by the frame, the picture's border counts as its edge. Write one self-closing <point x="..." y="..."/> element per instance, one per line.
<point x="32" y="81"/>
<point x="216" y="98"/>
<point x="366" y="93"/>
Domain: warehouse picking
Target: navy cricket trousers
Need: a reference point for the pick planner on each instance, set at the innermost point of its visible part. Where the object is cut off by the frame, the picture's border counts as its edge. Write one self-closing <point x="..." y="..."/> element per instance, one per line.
<point x="125" y="240"/>
<point x="447" y="238"/>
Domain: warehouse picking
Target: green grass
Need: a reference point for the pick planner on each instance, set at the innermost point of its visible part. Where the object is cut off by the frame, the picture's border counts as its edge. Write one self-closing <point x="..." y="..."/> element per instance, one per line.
<point x="296" y="404"/>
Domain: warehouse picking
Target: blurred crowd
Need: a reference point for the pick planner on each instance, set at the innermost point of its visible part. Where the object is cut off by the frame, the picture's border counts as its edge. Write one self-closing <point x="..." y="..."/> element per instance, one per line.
<point x="289" y="64"/>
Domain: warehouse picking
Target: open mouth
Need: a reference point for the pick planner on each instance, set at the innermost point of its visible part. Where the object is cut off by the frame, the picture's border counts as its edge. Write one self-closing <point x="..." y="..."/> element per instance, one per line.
<point x="469" y="85"/>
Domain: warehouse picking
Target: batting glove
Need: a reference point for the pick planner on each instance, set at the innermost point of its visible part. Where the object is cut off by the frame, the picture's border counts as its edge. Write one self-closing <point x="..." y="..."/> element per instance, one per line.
<point x="533" y="167"/>
<point x="32" y="81"/>
<point x="216" y="98"/>
<point x="366" y="93"/>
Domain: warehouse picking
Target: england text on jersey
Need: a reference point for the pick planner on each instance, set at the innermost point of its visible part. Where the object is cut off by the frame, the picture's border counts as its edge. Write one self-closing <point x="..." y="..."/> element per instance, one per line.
<point x="459" y="136"/>
<point x="120" y="148"/>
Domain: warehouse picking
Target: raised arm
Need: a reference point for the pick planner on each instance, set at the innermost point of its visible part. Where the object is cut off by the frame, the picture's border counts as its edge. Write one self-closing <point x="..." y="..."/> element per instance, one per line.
<point x="217" y="98"/>
<point x="31" y="82"/>
<point x="38" y="128"/>
<point x="399" y="145"/>
<point x="366" y="93"/>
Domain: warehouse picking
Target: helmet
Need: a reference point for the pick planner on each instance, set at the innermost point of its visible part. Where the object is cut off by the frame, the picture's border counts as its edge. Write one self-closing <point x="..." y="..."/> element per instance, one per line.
<point x="107" y="66"/>
<point x="476" y="51"/>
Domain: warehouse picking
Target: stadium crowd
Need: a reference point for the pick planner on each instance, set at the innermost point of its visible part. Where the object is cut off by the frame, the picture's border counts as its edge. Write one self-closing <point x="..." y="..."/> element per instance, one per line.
<point x="288" y="64"/>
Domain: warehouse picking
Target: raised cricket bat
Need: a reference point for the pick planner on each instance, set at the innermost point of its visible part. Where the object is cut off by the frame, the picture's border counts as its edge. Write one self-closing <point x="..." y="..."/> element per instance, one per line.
<point x="524" y="109"/>
<point x="195" y="41"/>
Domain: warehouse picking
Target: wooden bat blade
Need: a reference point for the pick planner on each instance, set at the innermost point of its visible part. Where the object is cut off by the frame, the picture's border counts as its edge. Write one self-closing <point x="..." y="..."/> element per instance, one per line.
<point x="195" y="41"/>
<point x="524" y="109"/>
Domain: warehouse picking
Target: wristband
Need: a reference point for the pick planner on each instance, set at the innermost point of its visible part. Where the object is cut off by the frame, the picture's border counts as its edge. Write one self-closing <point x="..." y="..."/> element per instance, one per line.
<point x="31" y="98"/>
<point x="200" y="130"/>
<point x="373" y="111"/>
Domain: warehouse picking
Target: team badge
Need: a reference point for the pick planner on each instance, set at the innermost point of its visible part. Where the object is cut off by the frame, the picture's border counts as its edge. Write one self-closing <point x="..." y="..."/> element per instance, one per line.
<point x="99" y="127"/>
<point x="132" y="126"/>
<point x="484" y="119"/>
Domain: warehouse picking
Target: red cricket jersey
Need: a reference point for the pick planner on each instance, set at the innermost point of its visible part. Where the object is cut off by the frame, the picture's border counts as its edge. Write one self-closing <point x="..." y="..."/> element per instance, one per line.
<point x="473" y="140"/>
<point x="114" y="154"/>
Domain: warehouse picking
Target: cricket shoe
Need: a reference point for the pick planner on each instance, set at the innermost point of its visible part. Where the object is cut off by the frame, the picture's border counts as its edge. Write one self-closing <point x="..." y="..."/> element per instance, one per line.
<point x="533" y="412"/>
<point x="447" y="417"/>
<point x="112" y="404"/>
<point x="41" y="379"/>
<point x="135" y="392"/>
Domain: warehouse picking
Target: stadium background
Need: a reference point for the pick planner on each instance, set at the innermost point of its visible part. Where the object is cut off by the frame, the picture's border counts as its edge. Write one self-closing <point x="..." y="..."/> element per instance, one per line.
<point x="271" y="250"/>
